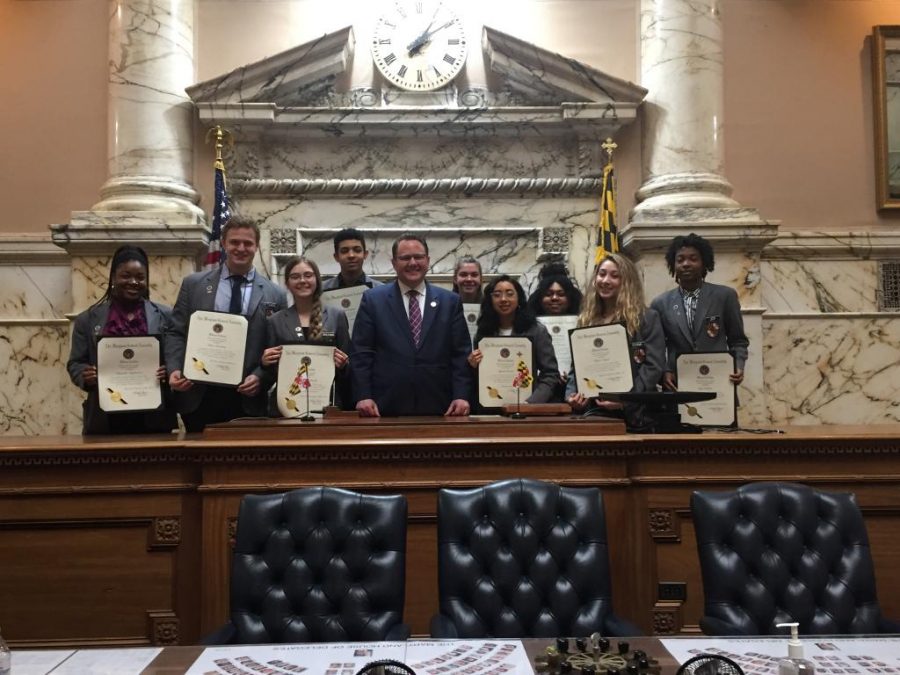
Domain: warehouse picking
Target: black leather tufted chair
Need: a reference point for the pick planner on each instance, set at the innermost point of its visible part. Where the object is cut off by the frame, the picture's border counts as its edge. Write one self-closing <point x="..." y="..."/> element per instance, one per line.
<point x="779" y="552"/>
<point x="317" y="565"/>
<point x="523" y="558"/>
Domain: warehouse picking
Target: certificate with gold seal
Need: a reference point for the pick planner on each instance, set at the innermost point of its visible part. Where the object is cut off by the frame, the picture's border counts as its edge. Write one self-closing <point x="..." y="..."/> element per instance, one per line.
<point x="559" y="327"/>
<point x="215" y="348"/>
<point x="347" y="299"/>
<point x="706" y="372"/>
<point x="501" y="369"/>
<point x="601" y="359"/>
<point x="126" y="373"/>
<point x="305" y="376"/>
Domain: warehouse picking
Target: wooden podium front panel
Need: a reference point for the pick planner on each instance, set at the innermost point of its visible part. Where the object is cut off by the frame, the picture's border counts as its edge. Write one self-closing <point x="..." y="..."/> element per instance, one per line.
<point x="128" y="541"/>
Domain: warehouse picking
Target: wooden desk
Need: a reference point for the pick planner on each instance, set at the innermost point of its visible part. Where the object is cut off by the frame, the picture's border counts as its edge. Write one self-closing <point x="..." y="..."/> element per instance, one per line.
<point x="127" y="541"/>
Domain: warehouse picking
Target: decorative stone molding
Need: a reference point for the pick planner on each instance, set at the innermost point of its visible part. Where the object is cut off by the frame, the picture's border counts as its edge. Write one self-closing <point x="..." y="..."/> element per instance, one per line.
<point x="97" y="233"/>
<point x="38" y="249"/>
<point x="821" y="246"/>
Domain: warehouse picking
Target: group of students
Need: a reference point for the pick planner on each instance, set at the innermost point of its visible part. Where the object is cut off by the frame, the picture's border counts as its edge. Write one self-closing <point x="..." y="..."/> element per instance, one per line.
<point x="410" y="351"/>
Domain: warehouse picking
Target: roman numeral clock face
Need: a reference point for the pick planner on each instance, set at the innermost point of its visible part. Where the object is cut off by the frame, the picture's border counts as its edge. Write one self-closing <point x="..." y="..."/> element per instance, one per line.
<point x="419" y="46"/>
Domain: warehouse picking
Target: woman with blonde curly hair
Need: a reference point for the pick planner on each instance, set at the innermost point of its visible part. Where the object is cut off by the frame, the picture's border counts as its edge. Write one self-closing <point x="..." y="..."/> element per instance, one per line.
<point x="618" y="297"/>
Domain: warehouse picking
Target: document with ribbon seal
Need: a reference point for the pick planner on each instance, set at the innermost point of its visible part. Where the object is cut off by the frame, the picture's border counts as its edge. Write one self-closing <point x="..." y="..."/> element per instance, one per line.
<point x="471" y="310"/>
<point x="347" y="299"/>
<point x="708" y="371"/>
<point x="504" y="369"/>
<point x="601" y="359"/>
<point x="215" y="348"/>
<point x="305" y="375"/>
<point x="559" y="327"/>
<point x="126" y="373"/>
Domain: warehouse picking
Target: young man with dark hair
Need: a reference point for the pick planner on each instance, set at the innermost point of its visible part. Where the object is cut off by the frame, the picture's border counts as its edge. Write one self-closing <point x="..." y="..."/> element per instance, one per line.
<point x="698" y="316"/>
<point x="350" y="253"/>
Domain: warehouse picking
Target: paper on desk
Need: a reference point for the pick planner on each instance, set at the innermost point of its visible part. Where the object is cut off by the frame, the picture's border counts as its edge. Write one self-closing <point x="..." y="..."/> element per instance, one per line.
<point x="831" y="655"/>
<point x="107" y="661"/>
<point x="429" y="657"/>
<point x="39" y="661"/>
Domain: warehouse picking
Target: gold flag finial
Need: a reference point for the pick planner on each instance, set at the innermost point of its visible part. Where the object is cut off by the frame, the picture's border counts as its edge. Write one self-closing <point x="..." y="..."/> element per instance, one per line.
<point x="222" y="136"/>
<point x="610" y="146"/>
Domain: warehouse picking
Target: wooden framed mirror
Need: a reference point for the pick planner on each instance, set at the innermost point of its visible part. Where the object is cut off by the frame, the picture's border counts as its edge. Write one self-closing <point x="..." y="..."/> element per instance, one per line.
<point x="886" y="105"/>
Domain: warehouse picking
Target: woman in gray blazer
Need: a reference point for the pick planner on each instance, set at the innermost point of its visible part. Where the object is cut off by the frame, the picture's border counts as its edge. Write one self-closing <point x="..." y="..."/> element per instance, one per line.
<point x="618" y="297"/>
<point x="124" y="310"/>
<point x="504" y="311"/>
<point x="309" y="320"/>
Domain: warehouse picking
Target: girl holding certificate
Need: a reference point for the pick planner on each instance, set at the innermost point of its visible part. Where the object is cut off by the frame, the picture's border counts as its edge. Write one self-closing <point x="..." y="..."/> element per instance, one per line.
<point x="309" y="320"/>
<point x="618" y="297"/>
<point x="504" y="312"/>
<point x="125" y="310"/>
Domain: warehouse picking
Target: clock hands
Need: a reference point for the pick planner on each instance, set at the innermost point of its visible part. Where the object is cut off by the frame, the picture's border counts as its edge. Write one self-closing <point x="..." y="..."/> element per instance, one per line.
<point x="416" y="45"/>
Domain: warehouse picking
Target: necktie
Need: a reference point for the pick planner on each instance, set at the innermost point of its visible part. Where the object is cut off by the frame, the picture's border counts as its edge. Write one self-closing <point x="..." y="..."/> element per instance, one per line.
<point x="237" y="295"/>
<point x="415" y="317"/>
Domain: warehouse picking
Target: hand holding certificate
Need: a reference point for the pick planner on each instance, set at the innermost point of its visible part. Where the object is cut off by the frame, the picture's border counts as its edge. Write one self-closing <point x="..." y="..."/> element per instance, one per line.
<point x="127" y="379"/>
<point x="601" y="359"/>
<point x="559" y="326"/>
<point x="215" y="348"/>
<point x="500" y="380"/>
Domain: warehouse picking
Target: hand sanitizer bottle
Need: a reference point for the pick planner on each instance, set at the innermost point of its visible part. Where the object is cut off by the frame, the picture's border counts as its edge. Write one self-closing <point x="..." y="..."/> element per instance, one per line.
<point x="795" y="664"/>
<point x="5" y="658"/>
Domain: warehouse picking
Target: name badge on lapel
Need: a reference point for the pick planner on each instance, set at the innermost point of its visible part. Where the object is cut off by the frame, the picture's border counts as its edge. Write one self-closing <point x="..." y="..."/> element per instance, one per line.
<point x="713" y="326"/>
<point x="269" y="308"/>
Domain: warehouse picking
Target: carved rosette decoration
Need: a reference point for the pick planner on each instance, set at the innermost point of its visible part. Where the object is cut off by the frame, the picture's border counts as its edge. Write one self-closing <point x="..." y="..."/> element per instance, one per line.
<point x="665" y="622"/>
<point x="163" y="627"/>
<point x="166" y="532"/>
<point x="662" y="525"/>
<point x="231" y="530"/>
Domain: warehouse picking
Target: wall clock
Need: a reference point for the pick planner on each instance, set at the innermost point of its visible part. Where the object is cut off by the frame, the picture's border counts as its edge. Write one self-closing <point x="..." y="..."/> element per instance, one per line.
<point x="419" y="46"/>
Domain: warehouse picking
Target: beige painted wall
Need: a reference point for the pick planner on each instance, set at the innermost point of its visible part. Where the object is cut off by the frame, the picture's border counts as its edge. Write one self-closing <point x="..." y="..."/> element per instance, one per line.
<point x="797" y="114"/>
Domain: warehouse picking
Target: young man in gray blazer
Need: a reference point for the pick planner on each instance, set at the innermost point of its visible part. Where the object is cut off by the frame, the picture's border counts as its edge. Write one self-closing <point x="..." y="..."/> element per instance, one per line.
<point x="698" y="316"/>
<point x="236" y="287"/>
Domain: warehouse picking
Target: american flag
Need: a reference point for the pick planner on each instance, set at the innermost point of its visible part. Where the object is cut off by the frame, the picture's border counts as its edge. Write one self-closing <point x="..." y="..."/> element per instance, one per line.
<point x="221" y="214"/>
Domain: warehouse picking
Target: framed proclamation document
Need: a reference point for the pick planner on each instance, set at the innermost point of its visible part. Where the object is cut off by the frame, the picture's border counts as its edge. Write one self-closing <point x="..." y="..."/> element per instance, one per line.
<point x="559" y="327"/>
<point x="215" y="348"/>
<point x="601" y="359"/>
<point x="471" y="310"/>
<point x="305" y="377"/>
<point x="126" y="373"/>
<point x="500" y="368"/>
<point x="347" y="299"/>
<point x="708" y="372"/>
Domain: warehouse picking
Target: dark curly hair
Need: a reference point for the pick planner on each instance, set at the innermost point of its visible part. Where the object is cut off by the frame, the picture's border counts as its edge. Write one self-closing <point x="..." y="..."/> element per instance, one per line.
<point x="554" y="273"/>
<point x="704" y="248"/>
<point x="489" y="321"/>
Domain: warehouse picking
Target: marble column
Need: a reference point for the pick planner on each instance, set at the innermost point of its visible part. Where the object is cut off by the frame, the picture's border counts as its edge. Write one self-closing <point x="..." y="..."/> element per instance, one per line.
<point x="684" y="186"/>
<point x="682" y="68"/>
<point x="151" y="61"/>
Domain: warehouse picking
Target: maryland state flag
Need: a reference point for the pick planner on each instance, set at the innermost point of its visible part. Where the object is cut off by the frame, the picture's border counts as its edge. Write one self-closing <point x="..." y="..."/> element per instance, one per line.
<point x="523" y="377"/>
<point x="301" y="381"/>
<point x="608" y="236"/>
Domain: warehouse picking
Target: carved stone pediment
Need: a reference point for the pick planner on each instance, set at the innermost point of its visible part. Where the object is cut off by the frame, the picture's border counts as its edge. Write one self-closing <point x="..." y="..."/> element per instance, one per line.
<point x="299" y="76"/>
<point x="535" y="76"/>
<point x="535" y="89"/>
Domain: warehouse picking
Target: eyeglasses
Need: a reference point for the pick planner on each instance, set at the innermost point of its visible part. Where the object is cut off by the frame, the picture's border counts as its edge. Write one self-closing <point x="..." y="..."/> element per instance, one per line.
<point x="418" y="257"/>
<point x="503" y="294"/>
<point x="297" y="276"/>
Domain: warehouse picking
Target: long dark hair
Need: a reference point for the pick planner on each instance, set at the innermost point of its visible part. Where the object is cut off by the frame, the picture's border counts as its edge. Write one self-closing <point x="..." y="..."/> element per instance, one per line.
<point x="554" y="273"/>
<point x="489" y="321"/>
<point x="123" y="254"/>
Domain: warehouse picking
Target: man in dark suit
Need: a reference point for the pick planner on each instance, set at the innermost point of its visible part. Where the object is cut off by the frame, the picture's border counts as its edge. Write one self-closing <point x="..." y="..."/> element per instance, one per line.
<point x="234" y="287"/>
<point x="698" y="316"/>
<point x="410" y="343"/>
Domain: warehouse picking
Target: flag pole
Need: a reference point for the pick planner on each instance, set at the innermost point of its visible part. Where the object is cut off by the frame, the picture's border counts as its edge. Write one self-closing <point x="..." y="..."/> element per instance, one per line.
<point x="607" y="232"/>
<point x="221" y="209"/>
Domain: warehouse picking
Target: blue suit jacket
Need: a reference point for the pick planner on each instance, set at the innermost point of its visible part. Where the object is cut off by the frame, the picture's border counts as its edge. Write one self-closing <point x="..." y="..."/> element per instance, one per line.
<point x="388" y="368"/>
